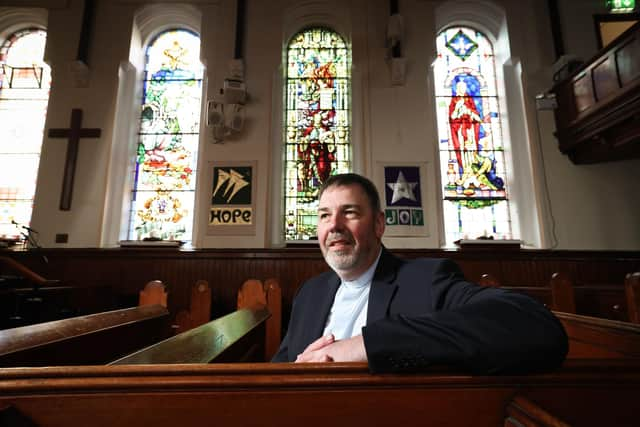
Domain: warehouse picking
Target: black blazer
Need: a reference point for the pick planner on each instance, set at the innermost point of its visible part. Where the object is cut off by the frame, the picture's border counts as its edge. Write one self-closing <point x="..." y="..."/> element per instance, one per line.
<point x="423" y="312"/>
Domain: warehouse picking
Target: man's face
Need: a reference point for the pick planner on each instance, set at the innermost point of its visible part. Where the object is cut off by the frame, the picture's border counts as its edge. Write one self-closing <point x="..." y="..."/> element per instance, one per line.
<point x="348" y="230"/>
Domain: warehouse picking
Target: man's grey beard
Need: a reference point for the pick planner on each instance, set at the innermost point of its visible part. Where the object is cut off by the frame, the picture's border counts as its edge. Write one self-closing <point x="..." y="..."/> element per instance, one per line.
<point x="341" y="260"/>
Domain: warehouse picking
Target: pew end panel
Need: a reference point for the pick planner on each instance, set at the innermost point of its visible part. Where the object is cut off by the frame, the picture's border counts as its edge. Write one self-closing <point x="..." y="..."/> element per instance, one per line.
<point x="632" y="293"/>
<point x="255" y="294"/>
<point x="199" y="311"/>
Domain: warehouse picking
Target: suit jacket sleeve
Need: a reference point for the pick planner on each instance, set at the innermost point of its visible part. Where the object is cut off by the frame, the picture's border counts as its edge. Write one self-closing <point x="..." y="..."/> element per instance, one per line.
<point x="282" y="355"/>
<point x="481" y="329"/>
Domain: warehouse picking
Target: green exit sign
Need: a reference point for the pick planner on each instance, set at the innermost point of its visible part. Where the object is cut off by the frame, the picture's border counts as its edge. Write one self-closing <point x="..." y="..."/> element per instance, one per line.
<point x="621" y="5"/>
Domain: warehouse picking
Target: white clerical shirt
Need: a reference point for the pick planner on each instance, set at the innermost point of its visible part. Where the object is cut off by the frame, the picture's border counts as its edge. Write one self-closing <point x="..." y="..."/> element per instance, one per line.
<point x="349" y="311"/>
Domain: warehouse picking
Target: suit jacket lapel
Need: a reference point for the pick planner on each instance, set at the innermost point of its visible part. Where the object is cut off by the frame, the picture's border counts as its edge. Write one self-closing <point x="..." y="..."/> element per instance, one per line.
<point x="382" y="287"/>
<point x="323" y="302"/>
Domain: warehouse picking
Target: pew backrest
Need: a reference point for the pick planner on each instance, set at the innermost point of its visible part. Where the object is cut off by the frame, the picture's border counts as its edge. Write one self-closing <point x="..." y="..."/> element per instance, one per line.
<point x="84" y="340"/>
<point x="237" y="337"/>
<point x="591" y="337"/>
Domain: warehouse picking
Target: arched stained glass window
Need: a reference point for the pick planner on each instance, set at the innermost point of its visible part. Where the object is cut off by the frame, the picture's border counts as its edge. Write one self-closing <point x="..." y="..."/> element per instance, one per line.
<point x="163" y="195"/>
<point x="25" y="81"/>
<point x="471" y="146"/>
<point x="318" y="124"/>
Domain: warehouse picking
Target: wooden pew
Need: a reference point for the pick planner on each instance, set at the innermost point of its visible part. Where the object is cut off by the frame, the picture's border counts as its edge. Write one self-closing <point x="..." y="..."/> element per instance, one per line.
<point x="632" y="293"/>
<point x="562" y="295"/>
<point x="252" y="333"/>
<point x="154" y="292"/>
<point x="583" y="393"/>
<point x="523" y="412"/>
<point x="254" y="293"/>
<point x="199" y="311"/>
<point x="591" y="337"/>
<point x="84" y="340"/>
<point x="27" y="298"/>
<point x="22" y="271"/>
<point x="236" y="337"/>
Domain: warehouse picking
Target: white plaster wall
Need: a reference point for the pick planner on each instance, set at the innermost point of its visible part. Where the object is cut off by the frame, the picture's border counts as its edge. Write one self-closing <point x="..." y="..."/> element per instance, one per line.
<point x="585" y="207"/>
<point x="593" y="206"/>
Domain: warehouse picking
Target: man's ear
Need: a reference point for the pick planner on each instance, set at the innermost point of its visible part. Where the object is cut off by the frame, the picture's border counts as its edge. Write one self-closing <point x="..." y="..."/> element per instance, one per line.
<point x="379" y="225"/>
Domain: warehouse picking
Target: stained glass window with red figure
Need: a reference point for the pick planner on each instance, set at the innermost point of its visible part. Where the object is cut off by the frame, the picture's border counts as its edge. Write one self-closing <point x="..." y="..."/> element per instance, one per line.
<point x="317" y="124"/>
<point x="470" y="138"/>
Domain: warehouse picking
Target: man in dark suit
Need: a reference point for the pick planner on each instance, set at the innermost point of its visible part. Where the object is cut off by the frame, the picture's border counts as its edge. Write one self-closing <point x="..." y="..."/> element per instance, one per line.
<point x="405" y="315"/>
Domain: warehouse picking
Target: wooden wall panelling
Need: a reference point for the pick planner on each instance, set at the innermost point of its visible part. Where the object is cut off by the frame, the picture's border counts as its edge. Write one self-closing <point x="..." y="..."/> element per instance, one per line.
<point x="598" y="276"/>
<point x="597" y="114"/>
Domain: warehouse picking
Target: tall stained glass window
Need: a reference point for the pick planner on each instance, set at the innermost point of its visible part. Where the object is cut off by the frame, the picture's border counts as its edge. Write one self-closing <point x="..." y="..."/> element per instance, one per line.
<point x="24" y="93"/>
<point x="471" y="145"/>
<point x="318" y="124"/>
<point x="163" y="195"/>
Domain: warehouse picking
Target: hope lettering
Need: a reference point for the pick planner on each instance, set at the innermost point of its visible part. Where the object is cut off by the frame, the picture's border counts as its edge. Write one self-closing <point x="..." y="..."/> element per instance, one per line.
<point x="232" y="216"/>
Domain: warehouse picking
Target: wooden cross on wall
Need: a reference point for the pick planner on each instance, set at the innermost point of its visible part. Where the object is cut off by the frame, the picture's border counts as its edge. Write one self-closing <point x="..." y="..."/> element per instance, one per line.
<point x="74" y="133"/>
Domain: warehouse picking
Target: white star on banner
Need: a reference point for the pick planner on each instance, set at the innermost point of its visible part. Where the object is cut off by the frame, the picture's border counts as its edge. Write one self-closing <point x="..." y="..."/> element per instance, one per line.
<point x="402" y="189"/>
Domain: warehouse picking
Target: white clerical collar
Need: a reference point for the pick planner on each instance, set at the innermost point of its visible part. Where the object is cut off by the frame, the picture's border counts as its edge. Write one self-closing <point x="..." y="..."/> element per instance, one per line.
<point x="366" y="277"/>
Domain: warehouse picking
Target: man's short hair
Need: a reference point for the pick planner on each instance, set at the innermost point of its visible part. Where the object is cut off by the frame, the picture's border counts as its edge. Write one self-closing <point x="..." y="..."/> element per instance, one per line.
<point x="346" y="179"/>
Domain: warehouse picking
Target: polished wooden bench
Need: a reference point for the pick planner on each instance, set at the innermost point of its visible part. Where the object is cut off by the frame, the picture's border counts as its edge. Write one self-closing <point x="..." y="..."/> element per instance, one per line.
<point x="236" y="337"/>
<point x="591" y="337"/>
<point x="84" y="340"/>
<point x="252" y="333"/>
<point x="596" y="392"/>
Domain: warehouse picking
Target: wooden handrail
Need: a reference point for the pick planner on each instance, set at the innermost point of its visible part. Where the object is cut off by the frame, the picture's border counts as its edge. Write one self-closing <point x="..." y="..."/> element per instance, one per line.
<point x="31" y="276"/>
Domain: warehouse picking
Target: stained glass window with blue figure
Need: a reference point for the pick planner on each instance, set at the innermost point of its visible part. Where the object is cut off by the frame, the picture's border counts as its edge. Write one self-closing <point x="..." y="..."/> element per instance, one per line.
<point x="163" y="195"/>
<point x="471" y="145"/>
<point x="317" y="124"/>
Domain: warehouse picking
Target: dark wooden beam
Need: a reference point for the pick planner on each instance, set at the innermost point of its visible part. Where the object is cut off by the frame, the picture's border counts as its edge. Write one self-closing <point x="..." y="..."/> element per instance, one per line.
<point x="556" y="28"/>
<point x="86" y="31"/>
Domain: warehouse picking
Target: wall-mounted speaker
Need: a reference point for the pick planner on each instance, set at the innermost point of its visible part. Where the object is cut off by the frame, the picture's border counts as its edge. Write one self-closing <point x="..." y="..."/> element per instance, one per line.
<point x="235" y="117"/>
<point x="215" y="114"/>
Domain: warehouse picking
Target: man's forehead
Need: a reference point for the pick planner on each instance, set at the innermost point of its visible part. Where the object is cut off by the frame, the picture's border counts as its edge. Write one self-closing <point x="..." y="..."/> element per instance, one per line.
<point x="351" y="192"/>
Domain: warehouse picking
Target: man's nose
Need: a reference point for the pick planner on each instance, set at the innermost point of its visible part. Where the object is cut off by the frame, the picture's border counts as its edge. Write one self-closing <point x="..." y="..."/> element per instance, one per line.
<point x="335" y="223"/>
